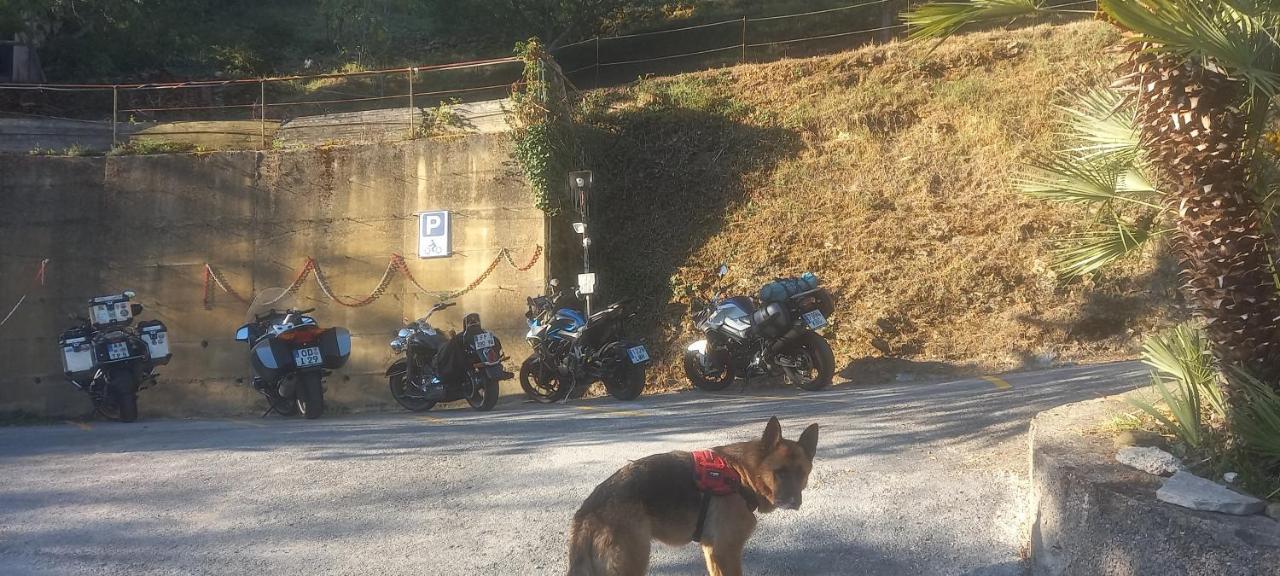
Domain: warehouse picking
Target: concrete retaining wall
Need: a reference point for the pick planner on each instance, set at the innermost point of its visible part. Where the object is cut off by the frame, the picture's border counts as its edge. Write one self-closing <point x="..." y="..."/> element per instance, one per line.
<point x="1092" y="516"/>
<point x="150" y="223"/>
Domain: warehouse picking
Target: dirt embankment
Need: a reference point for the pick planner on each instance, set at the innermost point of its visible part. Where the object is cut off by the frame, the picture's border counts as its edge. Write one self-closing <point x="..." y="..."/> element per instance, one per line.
<point x="883" y="170"/>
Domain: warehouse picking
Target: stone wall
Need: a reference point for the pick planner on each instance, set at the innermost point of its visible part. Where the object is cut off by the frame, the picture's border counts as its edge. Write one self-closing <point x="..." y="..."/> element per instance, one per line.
<point x="150" y="223"/>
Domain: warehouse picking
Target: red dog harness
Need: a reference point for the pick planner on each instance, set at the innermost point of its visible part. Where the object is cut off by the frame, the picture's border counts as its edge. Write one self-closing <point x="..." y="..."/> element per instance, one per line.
<point x="714" y="477"/>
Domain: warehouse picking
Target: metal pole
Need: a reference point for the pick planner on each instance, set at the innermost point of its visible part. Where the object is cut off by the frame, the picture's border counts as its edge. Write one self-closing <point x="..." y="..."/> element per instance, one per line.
<point x="744" y="40"/>
<point x="115" y="105"/>
<point x="412" y="133"/>
<point x="597" y="62"/>
<point x="262" y="118"/>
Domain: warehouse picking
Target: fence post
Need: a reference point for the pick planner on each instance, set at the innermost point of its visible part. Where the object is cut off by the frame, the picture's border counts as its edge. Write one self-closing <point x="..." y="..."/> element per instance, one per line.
<point x="413" y="71"/>
<point x="597" y="85"/>
<point x="262" y="117"/>
<point x="744" y="40"/>
<point x="115" y="106"/>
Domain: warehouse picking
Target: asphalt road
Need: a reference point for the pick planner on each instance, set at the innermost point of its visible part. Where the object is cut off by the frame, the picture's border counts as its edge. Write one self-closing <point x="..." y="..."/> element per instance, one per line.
<point x="911" y="478"/>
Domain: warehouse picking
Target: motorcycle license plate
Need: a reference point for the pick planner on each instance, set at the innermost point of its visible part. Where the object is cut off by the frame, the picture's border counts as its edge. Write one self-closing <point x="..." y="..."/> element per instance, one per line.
<point x="814" y="319"/>
<point x="117" y="350"/>
<point x="304" y="357"/>
<point x="638" y="354"/>
<point x="484" y="340"/>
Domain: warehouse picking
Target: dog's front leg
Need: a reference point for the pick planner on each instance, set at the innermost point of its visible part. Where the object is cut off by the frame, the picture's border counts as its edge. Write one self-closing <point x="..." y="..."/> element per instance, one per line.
<point x="723" y="561"/>
<point x="728" y="526"/>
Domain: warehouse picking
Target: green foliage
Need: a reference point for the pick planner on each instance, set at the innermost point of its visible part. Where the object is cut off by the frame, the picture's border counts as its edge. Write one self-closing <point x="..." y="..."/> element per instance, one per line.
<point x="152" y="146"/>
<point x="938" y="19"/>
<point x="441" y="120"/>
<point x="542" y="127"/>
<point x="1257" y="421"/>
<point x="1186" y="378"/>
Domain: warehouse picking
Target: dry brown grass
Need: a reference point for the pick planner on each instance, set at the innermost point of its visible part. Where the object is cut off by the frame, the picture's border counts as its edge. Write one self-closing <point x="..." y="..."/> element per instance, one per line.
<point x="884" y="171"/>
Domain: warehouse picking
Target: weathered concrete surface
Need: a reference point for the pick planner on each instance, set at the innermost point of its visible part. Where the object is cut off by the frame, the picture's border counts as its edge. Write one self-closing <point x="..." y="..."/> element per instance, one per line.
<point x="1093" y="516"/>
<point x="24" y="135"/>
<point x="150" y="223"/>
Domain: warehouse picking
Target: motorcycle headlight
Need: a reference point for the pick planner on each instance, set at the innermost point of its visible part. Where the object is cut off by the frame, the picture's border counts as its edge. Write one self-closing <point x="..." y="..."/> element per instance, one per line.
<point x="397" y="344"/>
<point x="404" y="332"/>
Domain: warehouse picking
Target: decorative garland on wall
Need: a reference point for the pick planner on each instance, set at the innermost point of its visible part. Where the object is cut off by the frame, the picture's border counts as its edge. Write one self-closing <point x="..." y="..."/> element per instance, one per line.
<point x="396" y="265"/>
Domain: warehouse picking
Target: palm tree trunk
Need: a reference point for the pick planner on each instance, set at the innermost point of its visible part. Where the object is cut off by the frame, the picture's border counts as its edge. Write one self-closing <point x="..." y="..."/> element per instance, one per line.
<point x="1191" y="119"/>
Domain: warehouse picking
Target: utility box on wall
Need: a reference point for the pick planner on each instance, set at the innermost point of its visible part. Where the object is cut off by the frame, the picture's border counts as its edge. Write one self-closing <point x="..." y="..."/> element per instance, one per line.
<point x="18" y="63"/>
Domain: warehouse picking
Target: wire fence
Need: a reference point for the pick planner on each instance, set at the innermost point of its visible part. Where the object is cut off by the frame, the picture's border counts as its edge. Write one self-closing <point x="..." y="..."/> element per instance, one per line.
<point x="395" y="104"/>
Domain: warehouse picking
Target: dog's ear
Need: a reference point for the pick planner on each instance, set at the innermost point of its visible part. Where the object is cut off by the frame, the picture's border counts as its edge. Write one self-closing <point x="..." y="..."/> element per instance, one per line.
<point x="772" y="434"/>
<point x="809" y="440"/>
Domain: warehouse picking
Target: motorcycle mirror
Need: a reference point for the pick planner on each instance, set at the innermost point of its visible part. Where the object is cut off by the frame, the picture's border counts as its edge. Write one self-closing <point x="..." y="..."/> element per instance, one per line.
<point x="242" y="334"/>
<point x="724" y="269"/>
<point x="136" y="309"/>
<point x="129" y="294"/>
<point x="554" y="283"/>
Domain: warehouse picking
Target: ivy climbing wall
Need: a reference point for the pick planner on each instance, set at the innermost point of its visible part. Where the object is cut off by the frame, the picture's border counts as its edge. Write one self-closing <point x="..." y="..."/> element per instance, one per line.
<point x="196" y="235"/>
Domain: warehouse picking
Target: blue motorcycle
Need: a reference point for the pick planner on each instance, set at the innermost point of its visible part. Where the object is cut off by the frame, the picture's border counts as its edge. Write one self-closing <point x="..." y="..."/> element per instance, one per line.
<point x="572" y="351"/>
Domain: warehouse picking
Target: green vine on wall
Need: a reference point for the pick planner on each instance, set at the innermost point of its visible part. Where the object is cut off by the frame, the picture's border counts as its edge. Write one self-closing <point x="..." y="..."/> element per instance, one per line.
<point x="541" y="126"/>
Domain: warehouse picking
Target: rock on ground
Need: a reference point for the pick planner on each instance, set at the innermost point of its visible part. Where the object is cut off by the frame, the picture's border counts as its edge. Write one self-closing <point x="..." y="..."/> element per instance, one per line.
<point x="1190" y="491"/>
<point x="1149" y="459"/>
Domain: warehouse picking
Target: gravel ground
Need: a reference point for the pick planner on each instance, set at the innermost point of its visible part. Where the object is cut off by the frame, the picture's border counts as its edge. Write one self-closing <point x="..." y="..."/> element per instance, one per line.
<point x="911" y="478"/>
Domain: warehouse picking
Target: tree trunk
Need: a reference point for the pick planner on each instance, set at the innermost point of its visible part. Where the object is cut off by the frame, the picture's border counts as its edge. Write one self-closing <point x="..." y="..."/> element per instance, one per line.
<point x="1192" y="120"/>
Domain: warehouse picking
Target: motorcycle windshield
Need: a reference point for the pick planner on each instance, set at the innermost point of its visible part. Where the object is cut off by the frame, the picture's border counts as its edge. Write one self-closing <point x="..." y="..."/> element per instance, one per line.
<point x="269" y="299"/>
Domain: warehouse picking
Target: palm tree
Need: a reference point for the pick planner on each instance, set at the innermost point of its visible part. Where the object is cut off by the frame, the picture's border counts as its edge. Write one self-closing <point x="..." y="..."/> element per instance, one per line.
<point x="1174" y="150"/>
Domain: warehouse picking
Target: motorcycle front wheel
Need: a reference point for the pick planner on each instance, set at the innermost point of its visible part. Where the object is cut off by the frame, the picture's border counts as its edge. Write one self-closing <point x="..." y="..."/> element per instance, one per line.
<point x="485" y="396"/>
<point x="700" y="378"/>
<point x="402" y="392"/>
<point x="541" y="382"/>
<point x="310" y="395"/>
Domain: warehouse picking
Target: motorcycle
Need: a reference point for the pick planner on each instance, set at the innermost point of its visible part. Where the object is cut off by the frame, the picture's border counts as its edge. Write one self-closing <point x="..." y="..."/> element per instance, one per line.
<point x="436" y="368"/>
<point x="776" y="334"/>
<point x="291" y="354"/>
<point x="111" y="360"/>
<point x="571" y="351"/>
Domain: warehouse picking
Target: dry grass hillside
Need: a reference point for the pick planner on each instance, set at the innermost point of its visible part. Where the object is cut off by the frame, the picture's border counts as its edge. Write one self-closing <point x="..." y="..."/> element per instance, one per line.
<point x="883" y="170"/>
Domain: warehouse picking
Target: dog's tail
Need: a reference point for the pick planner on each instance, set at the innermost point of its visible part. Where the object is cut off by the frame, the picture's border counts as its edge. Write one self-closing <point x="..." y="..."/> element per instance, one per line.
<point x="582" y="561"/>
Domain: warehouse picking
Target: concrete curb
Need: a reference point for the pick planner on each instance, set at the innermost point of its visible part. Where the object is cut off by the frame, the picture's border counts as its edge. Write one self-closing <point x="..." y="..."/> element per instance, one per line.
<point x="1093" y="516"/>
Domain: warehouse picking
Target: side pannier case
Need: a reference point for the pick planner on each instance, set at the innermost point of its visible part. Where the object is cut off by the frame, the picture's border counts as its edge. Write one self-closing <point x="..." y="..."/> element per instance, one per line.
<point x="156" y="336"/>
<point x="77" y="353"/>
<point x="335" y="347"/>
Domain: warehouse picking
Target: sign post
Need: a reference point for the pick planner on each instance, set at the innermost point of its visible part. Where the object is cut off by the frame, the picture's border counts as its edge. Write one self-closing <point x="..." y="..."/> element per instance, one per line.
<point x="434" y="239"/>
<point x="580" y="183"/>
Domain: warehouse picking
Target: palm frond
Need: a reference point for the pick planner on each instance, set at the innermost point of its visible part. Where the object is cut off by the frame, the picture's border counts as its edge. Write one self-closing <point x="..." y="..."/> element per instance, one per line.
<point x="1089" y="251"/>
<point x="1257" y="421"/>
<point x="1237" y="36"/>
<point x="1102" y="123"/>
<point x="1182" y="354"/>
<point x="942" y="19"/>
<point x="1184" y="412"/>
<point x="1063" y="177"/>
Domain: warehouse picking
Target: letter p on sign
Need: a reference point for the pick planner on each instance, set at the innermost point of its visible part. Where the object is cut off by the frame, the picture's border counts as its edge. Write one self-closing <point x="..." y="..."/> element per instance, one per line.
<point x="433" y="235"/>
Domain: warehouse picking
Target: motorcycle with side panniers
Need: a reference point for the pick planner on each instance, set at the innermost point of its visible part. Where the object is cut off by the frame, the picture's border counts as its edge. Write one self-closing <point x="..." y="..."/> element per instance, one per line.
<point x="774" y="334"/>
<point x="291" y="354"/>
<point x="106" y="356"/>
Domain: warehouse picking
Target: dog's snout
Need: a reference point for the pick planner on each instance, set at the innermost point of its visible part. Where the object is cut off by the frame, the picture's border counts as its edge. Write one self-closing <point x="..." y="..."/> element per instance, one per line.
<point x="790" y="504"/>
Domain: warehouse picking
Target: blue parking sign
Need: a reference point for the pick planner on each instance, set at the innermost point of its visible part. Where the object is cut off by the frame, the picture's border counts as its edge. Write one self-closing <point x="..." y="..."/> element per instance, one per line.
<point x="433" y="234"/>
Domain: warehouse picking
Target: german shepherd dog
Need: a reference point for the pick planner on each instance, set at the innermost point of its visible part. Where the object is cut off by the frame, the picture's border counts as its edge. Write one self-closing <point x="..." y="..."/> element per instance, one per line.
<point x="659" y="497"/>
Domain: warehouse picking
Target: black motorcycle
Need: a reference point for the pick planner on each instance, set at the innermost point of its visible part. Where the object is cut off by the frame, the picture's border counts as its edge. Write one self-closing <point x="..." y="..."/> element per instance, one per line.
<point x="111" y="360"/>
<point x="773" y="335"/>
<point x="291" y="354"/>
<point x="571" y="352"/>
<point x="438" y="368"/>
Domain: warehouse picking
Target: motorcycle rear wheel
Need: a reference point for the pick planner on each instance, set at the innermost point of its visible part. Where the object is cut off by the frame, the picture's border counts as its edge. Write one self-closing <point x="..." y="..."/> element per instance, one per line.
<point x="540" y="382"/>
<point x="818" y="367"/>
<point x="627" y="383"/>
<point x="400" y="391"/>
<point x="485" y="396"/>
<point x="120" y="400"/>
<point x="310" y="395"/>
